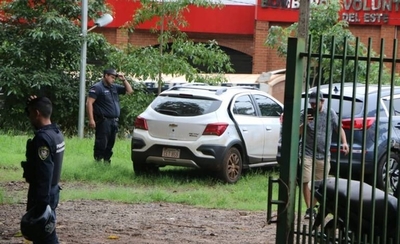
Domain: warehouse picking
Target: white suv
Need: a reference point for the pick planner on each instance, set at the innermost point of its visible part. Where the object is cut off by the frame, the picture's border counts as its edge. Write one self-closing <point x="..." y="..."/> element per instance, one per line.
<point x="222" y="129"/>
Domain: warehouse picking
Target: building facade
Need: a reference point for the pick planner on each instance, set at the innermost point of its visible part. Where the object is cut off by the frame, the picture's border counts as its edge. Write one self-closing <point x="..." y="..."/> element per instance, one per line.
<point x="241" y="27"/>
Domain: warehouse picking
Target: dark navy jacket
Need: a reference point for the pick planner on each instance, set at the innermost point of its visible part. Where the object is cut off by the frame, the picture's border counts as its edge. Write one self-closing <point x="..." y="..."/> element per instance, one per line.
<point x="44" y="154"/>
<point x="107" y="99"/>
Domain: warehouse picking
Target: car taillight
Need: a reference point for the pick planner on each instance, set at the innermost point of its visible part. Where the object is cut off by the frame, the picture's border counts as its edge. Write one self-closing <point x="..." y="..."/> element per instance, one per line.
<point x="215" y="129"/>
<point x="358" y="123"/>
<point x="140" y="123"/>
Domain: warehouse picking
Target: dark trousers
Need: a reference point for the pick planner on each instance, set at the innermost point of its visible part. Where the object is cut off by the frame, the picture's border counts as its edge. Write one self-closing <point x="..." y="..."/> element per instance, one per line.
<point x="54" y="199"/>
<point x="106" y="131"/>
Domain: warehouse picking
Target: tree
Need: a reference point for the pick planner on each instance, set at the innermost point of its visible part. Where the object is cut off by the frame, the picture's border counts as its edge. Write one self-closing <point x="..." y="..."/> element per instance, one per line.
<point x="40" y="46"/>
<point x="324" y="25"/>
<point x="175" y="53"/>
<point x="39" y="54"/>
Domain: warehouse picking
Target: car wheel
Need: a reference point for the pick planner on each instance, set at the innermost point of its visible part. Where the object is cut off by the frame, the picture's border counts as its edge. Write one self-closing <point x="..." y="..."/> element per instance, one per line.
<point x="332" y="233"/>
<point x="390" y="171"/>
<point x="143" y="168"/>
<point x="232" y="166"/>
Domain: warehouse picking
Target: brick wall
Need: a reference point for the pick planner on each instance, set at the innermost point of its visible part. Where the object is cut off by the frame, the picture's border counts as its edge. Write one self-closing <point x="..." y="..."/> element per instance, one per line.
<point x="264" y="58"/>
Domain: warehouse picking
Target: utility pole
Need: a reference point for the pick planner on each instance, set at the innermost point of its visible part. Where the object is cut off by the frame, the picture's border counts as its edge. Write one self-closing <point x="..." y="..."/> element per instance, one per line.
<point x="161" y="48"/>
<point x="304" y="18"/>
<point x="82" y="73"/>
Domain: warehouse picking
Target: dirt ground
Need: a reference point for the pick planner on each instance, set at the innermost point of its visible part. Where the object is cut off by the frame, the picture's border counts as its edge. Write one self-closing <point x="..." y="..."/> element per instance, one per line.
<point x="98" y="222"/>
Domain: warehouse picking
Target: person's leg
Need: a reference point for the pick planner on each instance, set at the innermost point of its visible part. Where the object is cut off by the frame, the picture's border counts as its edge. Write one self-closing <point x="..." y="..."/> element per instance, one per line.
<point x="307" y="169"/>
<point x="101" y="140"/>
<point x="50" y="239"/>
<point x="54" y="199"/>
<point x="307" y="175"/>
<point x="321" y="166"/>
<point x="110" y="141"/>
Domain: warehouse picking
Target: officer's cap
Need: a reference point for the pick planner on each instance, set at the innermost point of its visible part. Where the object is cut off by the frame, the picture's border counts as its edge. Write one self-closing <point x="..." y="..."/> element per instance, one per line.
<point x="110" y="72"/>
<point x="313" y="97"/>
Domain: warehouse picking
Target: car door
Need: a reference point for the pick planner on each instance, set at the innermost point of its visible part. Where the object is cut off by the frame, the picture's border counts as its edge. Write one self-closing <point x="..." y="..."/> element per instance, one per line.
<point x="395" y="111"/>
<point x="250" y="125"/>
<point x="270" y="111"/>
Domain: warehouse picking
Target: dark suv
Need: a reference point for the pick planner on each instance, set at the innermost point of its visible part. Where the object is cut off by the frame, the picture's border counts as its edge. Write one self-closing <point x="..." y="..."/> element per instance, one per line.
<point x="371" y="117"/>
<point x="366" y="124"/>
<point x="361" y="132"/>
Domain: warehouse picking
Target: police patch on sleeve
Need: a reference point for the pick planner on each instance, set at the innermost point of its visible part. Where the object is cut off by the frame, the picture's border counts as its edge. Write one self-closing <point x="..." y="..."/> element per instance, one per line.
<point x="43" y="152"/>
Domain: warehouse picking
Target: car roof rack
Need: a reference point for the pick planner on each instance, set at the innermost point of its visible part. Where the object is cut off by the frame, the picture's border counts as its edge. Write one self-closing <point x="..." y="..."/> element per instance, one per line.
<point x="244" y="87"/>
<point x="218" y="90"/>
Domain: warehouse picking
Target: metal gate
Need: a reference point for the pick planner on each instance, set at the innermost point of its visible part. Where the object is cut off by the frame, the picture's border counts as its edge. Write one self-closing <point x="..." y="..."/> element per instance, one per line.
<point x="356" y="202"/>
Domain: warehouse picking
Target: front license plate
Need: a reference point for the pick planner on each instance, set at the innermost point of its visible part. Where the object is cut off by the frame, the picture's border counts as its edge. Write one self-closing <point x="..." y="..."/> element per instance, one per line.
<point x="171" y="152"/>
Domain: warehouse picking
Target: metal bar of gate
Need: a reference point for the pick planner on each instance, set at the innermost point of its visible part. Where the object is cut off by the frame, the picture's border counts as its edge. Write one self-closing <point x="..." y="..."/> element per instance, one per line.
<point x="290" y="129"/>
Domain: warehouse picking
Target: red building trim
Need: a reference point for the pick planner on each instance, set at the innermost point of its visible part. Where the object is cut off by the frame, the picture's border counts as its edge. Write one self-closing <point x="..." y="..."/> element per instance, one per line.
<point x="230" y="19"/>
<point x="240" y="19"/>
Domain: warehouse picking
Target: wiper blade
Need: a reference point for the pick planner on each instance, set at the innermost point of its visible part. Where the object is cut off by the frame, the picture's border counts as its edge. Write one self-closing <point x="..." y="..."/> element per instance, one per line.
<point x="167" y="111"/>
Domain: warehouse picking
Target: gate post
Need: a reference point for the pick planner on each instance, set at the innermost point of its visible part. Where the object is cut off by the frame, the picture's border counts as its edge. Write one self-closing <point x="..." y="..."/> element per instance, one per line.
<point x="290" y="145"/>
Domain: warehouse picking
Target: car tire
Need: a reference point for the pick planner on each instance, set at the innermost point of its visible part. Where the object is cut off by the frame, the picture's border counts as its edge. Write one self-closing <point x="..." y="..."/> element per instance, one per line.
<point x="392" y="171"/>
<point x="232" y="166"/>
<point x="143" y="168"/>
<point x="332" y="234"/>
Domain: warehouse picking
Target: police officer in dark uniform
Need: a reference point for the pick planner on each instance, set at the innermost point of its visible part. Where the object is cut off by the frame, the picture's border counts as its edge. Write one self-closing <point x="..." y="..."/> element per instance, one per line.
<point x="103" y="110"/>
<point x="44" y="158"/>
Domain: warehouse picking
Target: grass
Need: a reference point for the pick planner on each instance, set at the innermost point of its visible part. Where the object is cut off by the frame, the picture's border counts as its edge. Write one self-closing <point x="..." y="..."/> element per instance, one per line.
<point x="83" y="178"/>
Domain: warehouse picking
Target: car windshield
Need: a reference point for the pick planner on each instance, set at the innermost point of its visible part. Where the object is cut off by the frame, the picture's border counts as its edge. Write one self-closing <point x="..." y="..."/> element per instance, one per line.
<point x="184" y="105"/>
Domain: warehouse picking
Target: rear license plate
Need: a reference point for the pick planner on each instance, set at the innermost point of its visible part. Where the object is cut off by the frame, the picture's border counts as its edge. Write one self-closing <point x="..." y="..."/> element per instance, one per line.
<point x="171" y="152"/>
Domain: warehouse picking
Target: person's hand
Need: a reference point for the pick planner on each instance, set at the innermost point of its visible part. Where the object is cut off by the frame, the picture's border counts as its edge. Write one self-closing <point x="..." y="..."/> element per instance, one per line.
<point x="121" y="76"/>
<point x="92" y="124"/>
<point x="345" y="148"/>
<point x="30" y="98"/>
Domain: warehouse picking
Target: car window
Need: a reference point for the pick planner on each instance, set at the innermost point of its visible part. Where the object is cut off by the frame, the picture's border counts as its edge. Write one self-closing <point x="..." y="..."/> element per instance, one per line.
<point x="185" y="105"/>
<point x="244" y="106"/>
<point x="268" y="107"/>
<point x="347" y="105"/>
<point x="395" y="104"/>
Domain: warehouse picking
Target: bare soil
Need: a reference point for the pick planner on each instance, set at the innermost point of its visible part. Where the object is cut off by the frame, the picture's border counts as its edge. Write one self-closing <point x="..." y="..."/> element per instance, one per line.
<point x="98" y="222"/>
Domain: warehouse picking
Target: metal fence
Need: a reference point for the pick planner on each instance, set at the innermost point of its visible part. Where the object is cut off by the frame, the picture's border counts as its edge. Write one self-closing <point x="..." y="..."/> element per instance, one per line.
<point x="356" y="201"/>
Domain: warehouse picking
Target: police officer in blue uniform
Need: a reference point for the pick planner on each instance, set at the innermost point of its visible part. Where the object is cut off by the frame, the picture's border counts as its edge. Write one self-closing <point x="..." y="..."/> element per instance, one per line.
<point x="103" y="110"/>
<point x="44" y="158"/>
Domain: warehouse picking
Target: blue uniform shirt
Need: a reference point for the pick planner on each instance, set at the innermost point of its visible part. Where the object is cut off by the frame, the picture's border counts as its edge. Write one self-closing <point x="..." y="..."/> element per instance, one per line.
<point x="107" y="99"/>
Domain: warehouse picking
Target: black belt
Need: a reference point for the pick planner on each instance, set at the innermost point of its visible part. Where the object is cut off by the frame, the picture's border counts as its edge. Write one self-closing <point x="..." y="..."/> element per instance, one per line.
<point x="111" y="118"/>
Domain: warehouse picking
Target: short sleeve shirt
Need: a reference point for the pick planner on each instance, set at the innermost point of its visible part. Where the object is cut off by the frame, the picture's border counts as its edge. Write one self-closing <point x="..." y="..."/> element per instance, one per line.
<point x="106" y="99"/>
<point x="323" y="133"/>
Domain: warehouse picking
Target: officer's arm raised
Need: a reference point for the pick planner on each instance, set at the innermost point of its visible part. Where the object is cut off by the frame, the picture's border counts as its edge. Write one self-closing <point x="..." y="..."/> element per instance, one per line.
<point x="128" y="87"/>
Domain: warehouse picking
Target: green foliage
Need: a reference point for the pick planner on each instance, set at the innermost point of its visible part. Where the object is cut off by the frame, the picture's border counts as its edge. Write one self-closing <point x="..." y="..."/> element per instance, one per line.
<point x="40" y="54"/>
<point x="175" y="54"/>
<point x="40" y="48"/>
<point x="131" y="107"/>
<point x="83" y="178"/>
<point x="326" y="31"/>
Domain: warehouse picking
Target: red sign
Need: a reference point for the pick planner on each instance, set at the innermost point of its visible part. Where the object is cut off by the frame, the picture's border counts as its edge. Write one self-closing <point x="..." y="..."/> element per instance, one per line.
<point x="212" y="20"/>
<point x="366" y="12"/>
